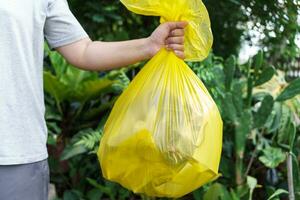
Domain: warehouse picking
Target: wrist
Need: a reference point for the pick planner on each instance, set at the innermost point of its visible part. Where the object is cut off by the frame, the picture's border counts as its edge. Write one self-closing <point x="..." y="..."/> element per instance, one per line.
<point x="151" y="47"/>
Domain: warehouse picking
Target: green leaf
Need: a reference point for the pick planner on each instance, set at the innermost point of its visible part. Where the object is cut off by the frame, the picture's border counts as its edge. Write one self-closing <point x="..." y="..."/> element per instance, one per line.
<point x="54" y="127"/>
<point x="265" y="109"/>
<point x="121" y="80"/>
<point x="286" y="137"/>
<point x="287" y="129"/>
<point x="94" y="194"/>
<point x="88" y="138"/>
<point x="290" y="91"/>
<point x="251" y="182"/>
<point x="105" y="189"/>
<point x="237" y="93"/>
<point x="242" y="129"/>
<point x="52" y="115"/>
<point x="258" y="61"/>
<point x="272" y="157"/>
<point x="55" y="88"/>
<point x="217" y="192"/>
<point x="229" y="107"/>
<point x="234" y="195"/>
<point x="51" y="139"/>
<point x="242" y="191"/>
<point x="72" y="195"/>
<point x="229" y="69"/>
<point x="92" y="89"/>
<point x="58" y="63"/>
<point x="273" y="122"/>
<point x="67" y="73"/>
<point x="249" y="91"/>
<point x="265" y="76"/>
<point x="292" y="135"/>
<point x="277" y="193"/>
<point x="69" y="196"/>
<point x="95" y="112"/>
<point x="74" y="77"/>
<point x="197" y="194"/>
<point x="123" y="194"/>
<point x="72" y="151"/>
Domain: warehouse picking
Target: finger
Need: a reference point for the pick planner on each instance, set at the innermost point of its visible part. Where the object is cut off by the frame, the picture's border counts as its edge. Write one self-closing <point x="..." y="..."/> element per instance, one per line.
<point x="174" y="25"/>
<point x="175" y="40"/>
<point x="179" y="54"/>
<point x="176" y="47"/>
<point x="177" y="32"/>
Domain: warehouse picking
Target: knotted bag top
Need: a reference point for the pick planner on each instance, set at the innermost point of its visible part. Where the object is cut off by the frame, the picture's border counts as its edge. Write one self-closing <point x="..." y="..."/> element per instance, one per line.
<point x="198" y="35"/>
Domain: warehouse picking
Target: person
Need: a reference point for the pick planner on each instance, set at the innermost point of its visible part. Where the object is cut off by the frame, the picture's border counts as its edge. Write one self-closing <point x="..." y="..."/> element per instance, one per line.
<point x="24" y="173"/>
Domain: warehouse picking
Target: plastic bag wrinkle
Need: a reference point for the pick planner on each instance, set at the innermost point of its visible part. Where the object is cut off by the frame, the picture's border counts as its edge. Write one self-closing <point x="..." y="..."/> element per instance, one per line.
<point x="164" y="135"/>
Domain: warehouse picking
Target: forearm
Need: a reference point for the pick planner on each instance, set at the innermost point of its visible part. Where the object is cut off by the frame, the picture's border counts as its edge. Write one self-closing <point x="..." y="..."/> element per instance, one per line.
<point x="98" y="56"/>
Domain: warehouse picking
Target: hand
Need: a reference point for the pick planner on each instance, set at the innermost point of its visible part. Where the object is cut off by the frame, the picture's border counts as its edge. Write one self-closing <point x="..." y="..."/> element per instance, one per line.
<point x="169" y="35"/>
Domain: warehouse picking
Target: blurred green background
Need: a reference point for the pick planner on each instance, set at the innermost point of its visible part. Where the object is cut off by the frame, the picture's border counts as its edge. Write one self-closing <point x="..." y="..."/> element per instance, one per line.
<point x="252" y="73"/>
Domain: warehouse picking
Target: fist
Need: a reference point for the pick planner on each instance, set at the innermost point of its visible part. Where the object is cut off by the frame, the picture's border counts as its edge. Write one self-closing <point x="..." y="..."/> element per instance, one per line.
<point x="169" y="35"/>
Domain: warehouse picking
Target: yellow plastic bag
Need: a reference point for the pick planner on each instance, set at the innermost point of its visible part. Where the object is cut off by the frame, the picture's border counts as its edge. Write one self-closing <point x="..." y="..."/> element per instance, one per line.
<point x="164" y="135"/>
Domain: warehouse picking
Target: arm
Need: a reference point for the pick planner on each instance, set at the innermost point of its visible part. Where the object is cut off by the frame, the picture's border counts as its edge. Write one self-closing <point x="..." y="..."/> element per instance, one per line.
<point x="98" y="56"/>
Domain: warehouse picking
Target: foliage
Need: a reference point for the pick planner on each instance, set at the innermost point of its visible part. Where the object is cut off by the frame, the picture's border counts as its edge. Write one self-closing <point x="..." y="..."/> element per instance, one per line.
<point x="258" y="129"/>
<point x="272" y="157"/>
<point x="232" y="22"/>
<point x="258" y="125"/>
<point x="77" y="105"/>
<point x="109" y="20"/>
<point x="259" y="108"/>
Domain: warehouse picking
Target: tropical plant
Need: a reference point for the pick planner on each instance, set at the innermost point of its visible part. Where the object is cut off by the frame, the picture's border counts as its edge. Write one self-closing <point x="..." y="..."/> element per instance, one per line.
<point x="261" y="129"/>
<point x="77" y="104"/>
<point x="233" y="22"/>
<point x="260" y="124"/>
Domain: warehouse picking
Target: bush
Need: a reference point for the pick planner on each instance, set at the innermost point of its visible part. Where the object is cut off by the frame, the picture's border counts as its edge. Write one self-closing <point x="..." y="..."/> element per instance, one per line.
<point x="261" y="128"/>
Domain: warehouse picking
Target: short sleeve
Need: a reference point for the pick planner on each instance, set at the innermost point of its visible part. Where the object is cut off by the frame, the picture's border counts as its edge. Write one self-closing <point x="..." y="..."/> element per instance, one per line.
<point x="61" y="27"/>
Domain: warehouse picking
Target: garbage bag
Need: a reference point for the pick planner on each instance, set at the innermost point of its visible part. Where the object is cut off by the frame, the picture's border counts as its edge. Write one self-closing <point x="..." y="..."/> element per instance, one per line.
<point x="164" y="134"/>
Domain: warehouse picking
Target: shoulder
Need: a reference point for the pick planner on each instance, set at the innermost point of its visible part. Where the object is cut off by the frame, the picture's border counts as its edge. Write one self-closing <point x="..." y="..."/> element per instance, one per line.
<point x="52" y="2"/>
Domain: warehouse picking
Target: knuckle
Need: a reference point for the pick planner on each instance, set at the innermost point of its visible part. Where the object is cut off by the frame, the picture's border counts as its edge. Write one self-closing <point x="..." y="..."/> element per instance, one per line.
<point x="173" y="33"/>
<point x="178" y="32"/>
<point x="180" y="40"/>
<point x="177" y="40"/>
<point x="178" y="47"/>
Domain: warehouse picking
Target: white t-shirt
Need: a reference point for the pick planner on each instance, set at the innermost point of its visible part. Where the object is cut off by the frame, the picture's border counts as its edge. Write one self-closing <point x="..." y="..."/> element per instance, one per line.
<point x="23" y="26"/>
